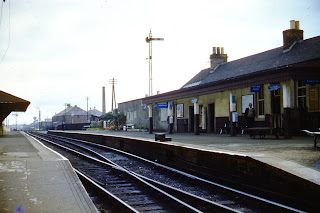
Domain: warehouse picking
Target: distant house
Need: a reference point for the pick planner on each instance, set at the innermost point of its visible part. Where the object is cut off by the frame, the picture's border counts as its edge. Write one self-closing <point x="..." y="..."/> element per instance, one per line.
<point x="70" y="115"/>
<point x="94" y="114"/>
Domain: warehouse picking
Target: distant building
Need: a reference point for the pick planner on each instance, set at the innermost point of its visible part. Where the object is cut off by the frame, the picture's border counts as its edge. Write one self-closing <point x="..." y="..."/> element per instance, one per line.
<point x="46" y="124"/>
<point x="94" y="112"/>
<point x="70" y="115"/>
<point x="136" y="113"/>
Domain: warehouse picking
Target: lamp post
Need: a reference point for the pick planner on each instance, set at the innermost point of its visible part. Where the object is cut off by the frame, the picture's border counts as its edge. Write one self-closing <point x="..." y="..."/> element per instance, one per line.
<point x="16" y="114"/>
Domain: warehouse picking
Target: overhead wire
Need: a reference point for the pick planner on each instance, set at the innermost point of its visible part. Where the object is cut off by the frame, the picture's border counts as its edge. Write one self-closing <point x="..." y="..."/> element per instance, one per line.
<point x="5" y="53"/>
<point x="1" y="13"/>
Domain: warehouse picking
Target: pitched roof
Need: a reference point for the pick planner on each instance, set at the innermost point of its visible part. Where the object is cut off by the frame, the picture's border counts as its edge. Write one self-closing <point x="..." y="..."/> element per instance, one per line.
<point x="75" y="110"/>
<point x="302" y="51"/>
<point x="94" y="112"/>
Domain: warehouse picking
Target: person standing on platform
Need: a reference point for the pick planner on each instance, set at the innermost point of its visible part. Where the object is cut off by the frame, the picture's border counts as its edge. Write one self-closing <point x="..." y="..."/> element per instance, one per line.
<point x="250" y="114"/>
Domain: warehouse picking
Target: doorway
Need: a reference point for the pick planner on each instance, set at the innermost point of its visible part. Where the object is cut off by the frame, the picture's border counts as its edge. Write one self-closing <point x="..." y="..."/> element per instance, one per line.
<point x="191" y="119"/>
<point x="211" y="118"/>
<point x="275" y="102"/>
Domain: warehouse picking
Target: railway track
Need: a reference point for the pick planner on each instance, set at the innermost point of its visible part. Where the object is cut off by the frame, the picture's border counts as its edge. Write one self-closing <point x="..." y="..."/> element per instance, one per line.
<point x="185" y="191"/>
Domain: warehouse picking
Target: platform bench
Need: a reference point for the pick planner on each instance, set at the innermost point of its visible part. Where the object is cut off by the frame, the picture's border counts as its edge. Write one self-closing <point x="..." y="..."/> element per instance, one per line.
<point x="161" y="137"/>
<point x="261" y="131"/>
<point x="315" y="135"/>
<point x="128" y="126"/>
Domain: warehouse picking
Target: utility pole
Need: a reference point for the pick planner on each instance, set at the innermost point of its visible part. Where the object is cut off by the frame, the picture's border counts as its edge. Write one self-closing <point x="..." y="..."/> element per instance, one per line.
<point x="149" y="40"/>
<point x="87" y="109"/>
<point x="39" y="120"/>
<point x="113" y="81"/>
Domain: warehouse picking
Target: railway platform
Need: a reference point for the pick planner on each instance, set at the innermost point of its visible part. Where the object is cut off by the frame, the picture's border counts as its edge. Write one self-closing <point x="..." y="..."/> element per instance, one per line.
<point x="34" y="178"/>
<point x="296" y="155"/>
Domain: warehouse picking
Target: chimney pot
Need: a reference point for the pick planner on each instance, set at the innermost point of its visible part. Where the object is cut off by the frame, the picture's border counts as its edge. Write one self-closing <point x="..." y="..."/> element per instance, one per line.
<point x="292" y="24"/>
<point x="297" y="25"/>
<point x="222" y="50"/>
<point x="218" y="50"/>
<point x="214" y="50"/>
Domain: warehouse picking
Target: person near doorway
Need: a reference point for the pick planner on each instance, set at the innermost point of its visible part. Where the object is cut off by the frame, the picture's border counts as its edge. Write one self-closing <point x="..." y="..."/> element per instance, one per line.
<point x="250" y="114"/>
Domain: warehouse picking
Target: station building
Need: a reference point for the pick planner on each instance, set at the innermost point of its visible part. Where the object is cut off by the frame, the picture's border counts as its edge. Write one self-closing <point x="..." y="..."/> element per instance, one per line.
<point x="137" y="113"/>
<point x="281" y="83"/>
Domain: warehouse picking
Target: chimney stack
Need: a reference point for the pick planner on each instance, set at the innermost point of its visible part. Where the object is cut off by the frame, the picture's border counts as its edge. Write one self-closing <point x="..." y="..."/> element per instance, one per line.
<point x="103" y="101"/>
<point x="292" y="35"/>
<point x="217" y="57"/>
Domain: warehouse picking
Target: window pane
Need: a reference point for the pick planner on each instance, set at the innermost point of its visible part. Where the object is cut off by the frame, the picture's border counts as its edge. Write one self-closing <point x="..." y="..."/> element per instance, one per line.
<point x="302" y="92"/>
<point x="301" y="102"/>
<point x="301" y="83"/>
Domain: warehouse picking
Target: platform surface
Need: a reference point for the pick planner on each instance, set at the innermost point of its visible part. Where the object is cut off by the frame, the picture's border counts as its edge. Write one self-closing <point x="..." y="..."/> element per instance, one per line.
<point x="296" y="155"/>
<point x="34" y="178"/>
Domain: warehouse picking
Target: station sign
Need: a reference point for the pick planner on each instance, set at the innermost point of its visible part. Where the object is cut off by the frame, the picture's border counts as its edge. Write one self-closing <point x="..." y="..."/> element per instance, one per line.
<point x="194" y="100"/>
<point x="256" y="88"/>
<point x="312" y="81"/>
<point x="163" y="105"/>
<point x="274" y="87"/>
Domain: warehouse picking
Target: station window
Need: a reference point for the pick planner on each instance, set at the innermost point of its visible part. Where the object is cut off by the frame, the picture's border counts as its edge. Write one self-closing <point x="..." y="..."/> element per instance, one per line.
<point x="302" y="94"/>
<point x="260" y="100"/>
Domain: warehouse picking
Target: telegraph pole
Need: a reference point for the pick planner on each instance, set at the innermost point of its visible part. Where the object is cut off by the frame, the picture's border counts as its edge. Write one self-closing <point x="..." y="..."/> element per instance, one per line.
<point x="87" y="109"/>
<point x="113" y="81"/>
<point x="149" y="40"/>
<point x="39" y="119"/>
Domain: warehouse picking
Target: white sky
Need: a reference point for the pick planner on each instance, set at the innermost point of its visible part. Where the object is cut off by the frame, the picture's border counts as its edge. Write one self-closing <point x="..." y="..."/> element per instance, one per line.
<point x="63" y="51"/>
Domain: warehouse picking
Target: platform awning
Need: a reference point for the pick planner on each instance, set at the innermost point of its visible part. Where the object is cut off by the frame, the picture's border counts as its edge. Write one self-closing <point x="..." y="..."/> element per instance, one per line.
<point x="10" y="103"/>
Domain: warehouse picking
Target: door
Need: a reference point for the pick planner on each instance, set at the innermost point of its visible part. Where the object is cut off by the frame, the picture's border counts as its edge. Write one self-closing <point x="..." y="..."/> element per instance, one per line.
<point x="211" y="118"/>
<point x="191" y="119"/>
<point x="275" y="102"/>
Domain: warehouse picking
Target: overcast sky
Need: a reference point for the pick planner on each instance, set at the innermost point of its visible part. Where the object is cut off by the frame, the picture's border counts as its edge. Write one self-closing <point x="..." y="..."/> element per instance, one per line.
<point x="62" y="51"/>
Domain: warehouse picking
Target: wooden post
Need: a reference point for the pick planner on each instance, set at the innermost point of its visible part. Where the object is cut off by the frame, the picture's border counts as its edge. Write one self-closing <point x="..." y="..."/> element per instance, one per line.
<point x="196" y="119"/>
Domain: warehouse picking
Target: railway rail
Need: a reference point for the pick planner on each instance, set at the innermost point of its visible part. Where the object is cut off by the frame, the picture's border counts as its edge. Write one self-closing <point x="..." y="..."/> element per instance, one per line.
<point x="184" y="191"/>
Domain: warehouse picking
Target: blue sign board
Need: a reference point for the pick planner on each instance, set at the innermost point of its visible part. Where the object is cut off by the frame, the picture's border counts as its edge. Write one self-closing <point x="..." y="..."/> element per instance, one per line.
<point x="274" y="87"/>
<point x="312" y="81"/>
<point x="256" y="88"/>
<point x="162" y="105"/>
<point x="194" y="100"/>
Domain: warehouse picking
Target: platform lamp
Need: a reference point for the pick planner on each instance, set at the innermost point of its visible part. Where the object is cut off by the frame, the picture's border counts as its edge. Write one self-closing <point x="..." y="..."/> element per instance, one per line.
<point x="16" y="114"/>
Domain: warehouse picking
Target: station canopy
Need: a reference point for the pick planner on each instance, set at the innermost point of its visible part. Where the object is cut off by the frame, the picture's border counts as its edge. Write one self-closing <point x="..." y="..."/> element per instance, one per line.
<point x="10" y="103"/>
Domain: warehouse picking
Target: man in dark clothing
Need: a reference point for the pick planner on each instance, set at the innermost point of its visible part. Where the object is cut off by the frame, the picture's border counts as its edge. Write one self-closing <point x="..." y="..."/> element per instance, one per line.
<point x="250" y="114"/>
